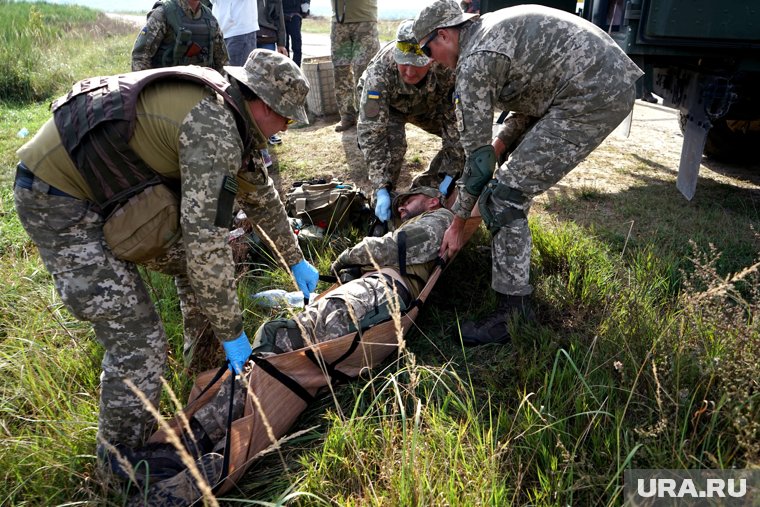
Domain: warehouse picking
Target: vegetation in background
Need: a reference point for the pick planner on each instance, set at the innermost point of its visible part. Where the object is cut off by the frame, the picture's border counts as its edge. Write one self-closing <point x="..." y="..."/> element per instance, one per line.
<point x="646" y="352"/>
<point x="44" y="47"/>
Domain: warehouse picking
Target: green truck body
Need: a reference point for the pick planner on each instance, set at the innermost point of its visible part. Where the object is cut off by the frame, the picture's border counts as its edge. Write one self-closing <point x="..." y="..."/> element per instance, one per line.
<point x="701" y="57"/>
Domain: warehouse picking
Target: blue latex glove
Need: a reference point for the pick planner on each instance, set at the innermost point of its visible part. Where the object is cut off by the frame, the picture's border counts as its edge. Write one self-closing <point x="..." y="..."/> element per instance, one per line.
<point x="444" y="186"/>
<point x="306" y="277"/>
<point x="383" y="205"/>
<point x="237" y="352"/>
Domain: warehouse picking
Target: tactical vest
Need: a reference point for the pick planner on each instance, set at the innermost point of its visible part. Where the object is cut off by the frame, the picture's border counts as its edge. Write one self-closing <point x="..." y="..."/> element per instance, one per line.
<point x="97" y="119"/>
<point x="191" y="41"/>
<point x="415" y="275"/>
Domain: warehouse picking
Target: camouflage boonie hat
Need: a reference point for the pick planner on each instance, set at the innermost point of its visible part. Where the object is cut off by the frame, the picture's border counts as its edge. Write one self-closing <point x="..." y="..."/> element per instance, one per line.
<point x="403" y="196"/>
<point x="276" y="80"/>
<point x="407" y="51"/>
<point x="439" y="14"/>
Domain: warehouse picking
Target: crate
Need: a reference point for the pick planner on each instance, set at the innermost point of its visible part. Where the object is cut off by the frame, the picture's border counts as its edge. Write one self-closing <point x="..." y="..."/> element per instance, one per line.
<point x="321" y="97"/>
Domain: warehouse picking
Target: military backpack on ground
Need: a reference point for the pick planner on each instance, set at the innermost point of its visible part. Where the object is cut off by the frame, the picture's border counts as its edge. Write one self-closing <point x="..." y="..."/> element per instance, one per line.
<point x="327" y="204"/>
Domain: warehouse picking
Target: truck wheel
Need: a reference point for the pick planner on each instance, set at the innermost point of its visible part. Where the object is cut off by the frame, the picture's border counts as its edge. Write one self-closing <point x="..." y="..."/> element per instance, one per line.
<point x="730" y="140"/>
<point x="733" y="140"/>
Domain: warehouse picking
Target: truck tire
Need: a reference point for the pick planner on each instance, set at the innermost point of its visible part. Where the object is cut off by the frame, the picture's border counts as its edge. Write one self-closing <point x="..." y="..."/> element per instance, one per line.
<point x="730" y="140"/>
<point x="733" y="140"/>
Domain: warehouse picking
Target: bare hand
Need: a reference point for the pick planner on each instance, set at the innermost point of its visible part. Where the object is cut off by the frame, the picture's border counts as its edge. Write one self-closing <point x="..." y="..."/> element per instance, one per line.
<point x="452" y="239"/>
<point x="282" y="50"/>
<point x="499" y="147"/>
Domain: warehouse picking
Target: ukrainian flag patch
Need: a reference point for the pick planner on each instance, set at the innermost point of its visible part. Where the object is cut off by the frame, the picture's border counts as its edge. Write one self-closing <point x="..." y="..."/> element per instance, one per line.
<point x="373" y="95"/>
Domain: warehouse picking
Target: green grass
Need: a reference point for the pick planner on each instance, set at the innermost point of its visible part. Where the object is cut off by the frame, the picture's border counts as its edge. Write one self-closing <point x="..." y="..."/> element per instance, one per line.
<point x="645" y="353"/>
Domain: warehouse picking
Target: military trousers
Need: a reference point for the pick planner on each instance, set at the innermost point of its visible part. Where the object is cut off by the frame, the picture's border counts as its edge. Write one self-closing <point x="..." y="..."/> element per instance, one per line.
<point x="353" y="306"/>
<point x="98" y="288"/>
<point x="550" y="149"/>
<point x="352" y="46"/>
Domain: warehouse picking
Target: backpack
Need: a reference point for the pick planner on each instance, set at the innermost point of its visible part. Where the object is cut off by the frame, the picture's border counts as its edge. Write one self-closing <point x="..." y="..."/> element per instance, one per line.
<point x="328" y="205"/>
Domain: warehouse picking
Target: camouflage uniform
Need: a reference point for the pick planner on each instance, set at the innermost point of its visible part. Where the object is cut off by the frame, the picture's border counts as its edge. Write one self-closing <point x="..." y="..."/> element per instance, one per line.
<point x="109" y="292"/>
<point x="353" y="43"/>
<point x="365" y="301"/>
<point x="571" y="84"/>
<point x="158" y="35"/>
<point x="387" y="104"/>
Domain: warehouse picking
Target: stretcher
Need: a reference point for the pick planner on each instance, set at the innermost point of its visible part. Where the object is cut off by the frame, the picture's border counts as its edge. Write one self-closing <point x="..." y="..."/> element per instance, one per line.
<point x="285" y="384"/>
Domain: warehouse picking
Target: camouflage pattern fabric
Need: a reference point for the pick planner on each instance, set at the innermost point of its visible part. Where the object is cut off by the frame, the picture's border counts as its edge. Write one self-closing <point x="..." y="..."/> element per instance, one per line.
<point x="423" y="238"/>
<point x="157" y="32"/>
<point x="342" y="310"/>
<point x="352" y="46"/>
<point x="335" y="315"/>
<point x="573" y="70"/>
<point x="575" y="81"/>
<point x="108" y="292"/>
<point x="97" y="287"/>
<point x="387" y="104"/>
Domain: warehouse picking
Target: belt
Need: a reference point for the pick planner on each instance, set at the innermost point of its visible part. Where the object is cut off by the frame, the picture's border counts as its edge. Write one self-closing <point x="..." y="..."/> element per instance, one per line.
<point x="25" y="179"/>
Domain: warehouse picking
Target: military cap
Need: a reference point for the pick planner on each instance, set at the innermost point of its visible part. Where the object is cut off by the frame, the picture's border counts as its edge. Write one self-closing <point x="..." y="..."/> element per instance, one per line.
<point x="407" y="50"/>
<point x="439" y="14"/>
<point x="403" y="196"/>
<point x="276" y="80"/>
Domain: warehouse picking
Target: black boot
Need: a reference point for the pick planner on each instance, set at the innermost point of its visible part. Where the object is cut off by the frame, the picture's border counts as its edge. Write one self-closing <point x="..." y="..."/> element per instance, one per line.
<point x="495" y="327"/>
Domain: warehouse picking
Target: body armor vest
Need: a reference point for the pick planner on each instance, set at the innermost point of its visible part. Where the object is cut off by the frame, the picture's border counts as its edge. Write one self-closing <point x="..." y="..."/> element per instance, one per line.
<point x="415" y="275"/>
<point x="97" y="119"/>
<point x="191" y="41"/>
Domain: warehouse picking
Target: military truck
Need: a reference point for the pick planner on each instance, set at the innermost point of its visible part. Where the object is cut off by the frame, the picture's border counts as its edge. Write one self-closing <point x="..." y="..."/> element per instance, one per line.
<point x="701" y="57"/>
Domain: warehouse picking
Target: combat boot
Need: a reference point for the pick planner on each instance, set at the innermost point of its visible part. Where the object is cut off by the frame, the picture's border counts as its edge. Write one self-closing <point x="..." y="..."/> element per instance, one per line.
<point x="495" y="327"/>
<point x="346" y="122"/>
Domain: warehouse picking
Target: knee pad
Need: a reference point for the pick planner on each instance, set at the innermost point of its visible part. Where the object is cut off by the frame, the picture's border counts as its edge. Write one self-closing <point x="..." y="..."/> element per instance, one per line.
<point x="478" y="169"/>
<point x="495" y="221"/>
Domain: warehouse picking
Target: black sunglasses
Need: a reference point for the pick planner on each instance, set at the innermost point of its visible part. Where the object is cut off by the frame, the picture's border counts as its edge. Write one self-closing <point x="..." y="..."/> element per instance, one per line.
<point x="425" y="49"/>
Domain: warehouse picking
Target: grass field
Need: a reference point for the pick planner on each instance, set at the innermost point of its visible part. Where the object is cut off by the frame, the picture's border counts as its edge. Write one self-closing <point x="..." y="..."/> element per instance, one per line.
<point x="645" y="353"/>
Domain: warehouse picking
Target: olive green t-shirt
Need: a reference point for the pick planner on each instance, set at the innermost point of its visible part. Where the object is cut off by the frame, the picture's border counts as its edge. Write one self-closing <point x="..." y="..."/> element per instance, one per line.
<point x="354" y="11"/>
<point x="161" y="108"/>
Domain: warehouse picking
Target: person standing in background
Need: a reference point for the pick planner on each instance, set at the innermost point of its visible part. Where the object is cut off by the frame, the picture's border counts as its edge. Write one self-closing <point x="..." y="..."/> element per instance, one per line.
<point x="271" y="36"/>
<point x="179" y="32"/>
<point x="238" y="20"/>
<point x="294" y="11"/>
<point x="353" y="43"/>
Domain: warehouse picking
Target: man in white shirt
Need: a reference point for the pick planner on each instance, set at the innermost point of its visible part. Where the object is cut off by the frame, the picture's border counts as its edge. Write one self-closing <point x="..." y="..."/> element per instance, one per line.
<point x="238" y="20"/>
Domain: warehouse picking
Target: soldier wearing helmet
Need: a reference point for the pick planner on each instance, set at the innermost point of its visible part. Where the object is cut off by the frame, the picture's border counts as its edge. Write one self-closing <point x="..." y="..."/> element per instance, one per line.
<point x="114" y="139"/>
<point x="400" y="86"/>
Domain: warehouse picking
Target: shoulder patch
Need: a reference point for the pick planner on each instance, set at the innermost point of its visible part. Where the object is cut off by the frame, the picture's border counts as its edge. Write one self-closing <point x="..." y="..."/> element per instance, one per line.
<point x="371" y="108"/>
<point x="373" y="95"/>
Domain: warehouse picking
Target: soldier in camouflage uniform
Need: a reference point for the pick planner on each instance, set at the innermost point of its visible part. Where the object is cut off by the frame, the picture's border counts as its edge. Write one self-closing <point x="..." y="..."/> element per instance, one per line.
<point x="357" y="304"/>
<point x="364" y="301"/>
<point x="353" y="43"/>
<point x="569" y="84"/>
<point x="197" y="131"/>
<point x="179" y="32"/>
<point x="401" y="85"/>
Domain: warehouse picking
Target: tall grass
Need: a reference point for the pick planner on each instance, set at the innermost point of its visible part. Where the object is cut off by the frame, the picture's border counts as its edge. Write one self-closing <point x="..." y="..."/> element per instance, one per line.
<point x="645" y="354"/>
<point x="39" y="42"/>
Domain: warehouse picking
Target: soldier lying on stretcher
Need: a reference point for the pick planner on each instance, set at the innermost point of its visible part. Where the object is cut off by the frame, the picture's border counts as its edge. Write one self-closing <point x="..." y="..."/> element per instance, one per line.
<point x="406" y="258"/>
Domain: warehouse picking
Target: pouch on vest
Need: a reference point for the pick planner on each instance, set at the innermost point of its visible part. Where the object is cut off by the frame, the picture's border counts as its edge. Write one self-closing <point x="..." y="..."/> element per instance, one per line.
<point x="326" y="204"/>
<point x="145" y="226"/>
